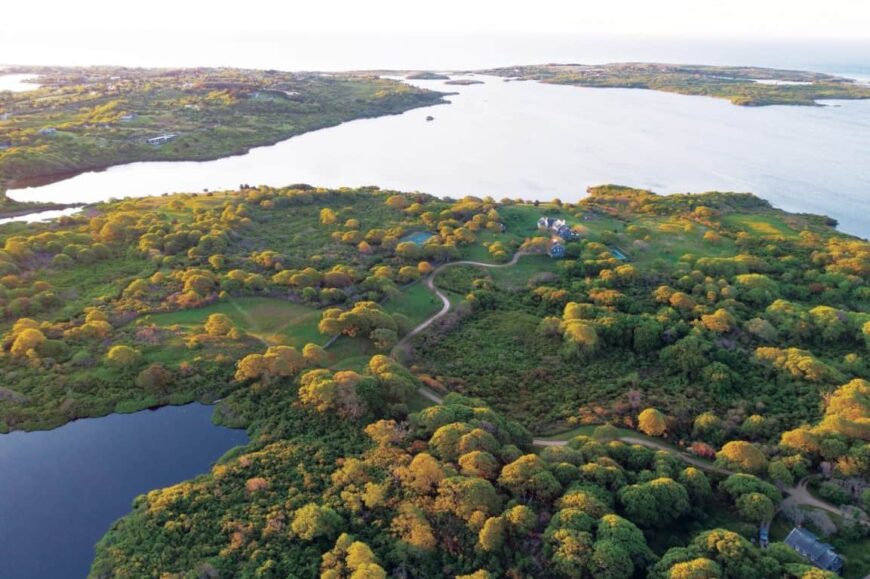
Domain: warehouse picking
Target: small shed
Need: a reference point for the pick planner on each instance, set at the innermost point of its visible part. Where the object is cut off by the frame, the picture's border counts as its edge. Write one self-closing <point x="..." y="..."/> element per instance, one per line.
<point x="808" y="546"/>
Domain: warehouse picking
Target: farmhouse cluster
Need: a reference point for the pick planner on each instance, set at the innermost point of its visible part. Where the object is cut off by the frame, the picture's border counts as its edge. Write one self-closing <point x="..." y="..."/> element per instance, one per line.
<point x="561" y="232"/>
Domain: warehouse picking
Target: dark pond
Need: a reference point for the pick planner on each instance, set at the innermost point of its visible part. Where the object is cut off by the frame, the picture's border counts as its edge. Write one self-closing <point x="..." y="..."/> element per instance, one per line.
<point x="61" y="490"/>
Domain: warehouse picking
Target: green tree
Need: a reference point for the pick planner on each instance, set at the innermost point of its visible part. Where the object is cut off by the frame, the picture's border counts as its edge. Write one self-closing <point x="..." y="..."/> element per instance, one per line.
<point x="697" y="485"/>
<point x="570" y="552"/>
<point x="528" y="478"/>
<point x="219" y="325"/>
<point x="610" y="560"/>
<point x="123" y="356"/>
<point x="742" y="456"/>
<point x="755" y="507"/>
<point x="652" y="422"/>
<point x="463" y="496"/>
<point x="626" y="534"/>
<point x="699" y="568"/>
<point x="492" y="535"/>
<point x="313" y="521"/>
<point x="155" y="378"/>
<point x="27" y="340"/>
<point x="656" y="503"/>
<point x="327" y="216"/>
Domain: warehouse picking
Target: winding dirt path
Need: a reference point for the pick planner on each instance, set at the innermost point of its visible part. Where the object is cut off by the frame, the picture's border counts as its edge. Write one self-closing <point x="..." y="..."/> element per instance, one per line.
<point x="445" y="301"/>
<point x="798" y="493"/>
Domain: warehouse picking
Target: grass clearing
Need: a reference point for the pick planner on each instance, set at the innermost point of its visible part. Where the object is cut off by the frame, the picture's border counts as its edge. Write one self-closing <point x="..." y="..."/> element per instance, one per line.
<point x="672" y="238"/>
<point x="589" y="430"/>
<point x="517" y="276"/>
<point x="759" y="224"/>
<point x="416" y="303"/>
<point x="274" y="321"/>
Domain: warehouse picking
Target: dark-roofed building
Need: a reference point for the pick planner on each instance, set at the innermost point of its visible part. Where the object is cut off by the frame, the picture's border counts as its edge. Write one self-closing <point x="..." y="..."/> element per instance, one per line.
<point x="555" y="248"/>
<point x="807" y="545"/>
<point x="558" y="226"/>
<point x="566" y="232"/>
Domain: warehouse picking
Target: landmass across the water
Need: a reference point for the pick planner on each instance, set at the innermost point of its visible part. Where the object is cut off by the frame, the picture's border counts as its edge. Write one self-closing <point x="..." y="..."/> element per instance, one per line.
<point x="82" y="119"/>
<point x="742" y="85"/>
<point x="11" y="208"/>
<point x="465" y="387"/>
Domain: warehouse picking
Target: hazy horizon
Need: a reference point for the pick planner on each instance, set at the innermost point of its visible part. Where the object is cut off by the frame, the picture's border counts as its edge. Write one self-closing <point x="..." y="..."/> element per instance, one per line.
<point x="337" y="52"/>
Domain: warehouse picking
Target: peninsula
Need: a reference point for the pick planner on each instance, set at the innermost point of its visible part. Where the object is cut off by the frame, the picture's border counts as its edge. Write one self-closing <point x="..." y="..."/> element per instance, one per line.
<point x="742" y="85"/>
<point x="82" y="119"/>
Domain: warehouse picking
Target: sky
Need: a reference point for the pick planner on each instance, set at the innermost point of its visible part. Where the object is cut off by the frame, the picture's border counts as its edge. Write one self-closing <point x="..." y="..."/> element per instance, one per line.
<point x="698" y="18"/>
<point x="828" y="35"/>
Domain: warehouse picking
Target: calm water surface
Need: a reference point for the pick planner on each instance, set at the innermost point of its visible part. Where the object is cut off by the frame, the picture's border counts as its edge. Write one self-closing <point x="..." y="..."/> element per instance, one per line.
<point x="17" y="82"/>
<point x="41" y="215"/>
<point x="537" y="141"/>
<point x="61" y="490"/>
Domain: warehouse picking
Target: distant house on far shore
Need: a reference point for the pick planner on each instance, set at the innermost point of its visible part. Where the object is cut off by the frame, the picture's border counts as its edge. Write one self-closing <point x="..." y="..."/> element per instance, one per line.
<point x="160" y="140"/>
<point x="808" y="546"/>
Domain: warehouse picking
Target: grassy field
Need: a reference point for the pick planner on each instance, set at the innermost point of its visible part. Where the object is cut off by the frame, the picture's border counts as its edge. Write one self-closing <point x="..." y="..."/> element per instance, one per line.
<point x="589" y="430"/>
<point x="757" y="224"/>
<point x="518" y="275"/>
<point x="416" y="303"/>
<point x="271" y="320"/>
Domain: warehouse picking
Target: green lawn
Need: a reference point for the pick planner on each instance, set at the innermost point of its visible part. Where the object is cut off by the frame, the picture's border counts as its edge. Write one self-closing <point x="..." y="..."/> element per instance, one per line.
<point x="521" y="221"/>
<point x="518" y="275"/>
<point x="670" y="241"/>
<point x="416" y="303"/>
<point x="589" y="430"/>
<point x="760" y="224"/>
<point x="272" y="320"/>
<point x="477" y="252"/>
<point x="351" y="353"/>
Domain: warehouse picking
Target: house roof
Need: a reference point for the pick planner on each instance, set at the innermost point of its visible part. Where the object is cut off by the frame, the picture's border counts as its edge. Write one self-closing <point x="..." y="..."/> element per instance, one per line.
<point x="808" y="545"/>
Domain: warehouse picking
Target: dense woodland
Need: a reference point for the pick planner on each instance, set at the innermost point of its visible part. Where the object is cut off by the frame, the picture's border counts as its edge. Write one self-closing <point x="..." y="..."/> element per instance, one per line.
<point x="742" y="85"/>
<point x="699" y="354"/>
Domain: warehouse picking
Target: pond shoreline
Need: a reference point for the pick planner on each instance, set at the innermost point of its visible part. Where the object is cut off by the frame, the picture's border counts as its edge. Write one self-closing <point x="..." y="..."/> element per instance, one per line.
<point x="80" y="479"/>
